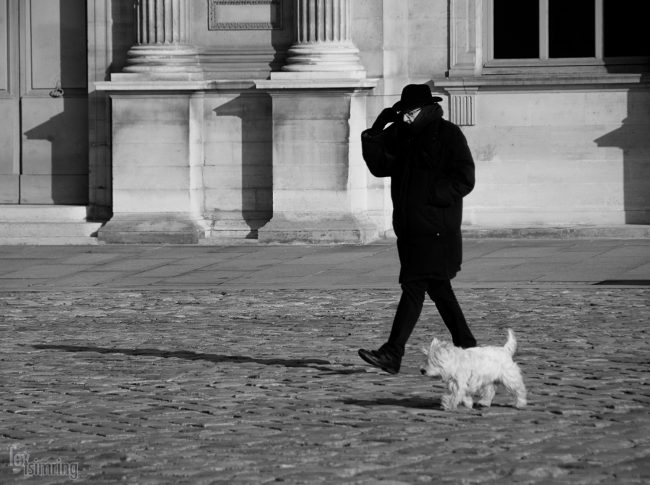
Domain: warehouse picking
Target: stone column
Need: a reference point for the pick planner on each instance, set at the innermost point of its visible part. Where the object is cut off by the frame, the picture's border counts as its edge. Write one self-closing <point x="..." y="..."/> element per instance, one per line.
<point x="323" y="42"/>
<point x="320" y="183"/>
<point x="156" y="116"/>
<point x="163" y="49"/>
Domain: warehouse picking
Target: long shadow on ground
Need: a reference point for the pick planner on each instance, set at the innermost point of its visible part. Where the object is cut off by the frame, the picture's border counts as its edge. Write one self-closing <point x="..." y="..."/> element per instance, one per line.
<point x="215" y="358"/>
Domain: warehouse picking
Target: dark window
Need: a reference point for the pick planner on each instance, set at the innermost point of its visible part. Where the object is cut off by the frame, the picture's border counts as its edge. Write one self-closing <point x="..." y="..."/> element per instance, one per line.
<point x="548" y="30"/>
<point x="626" y="28"/>
<point x="516" y="29"/>
<point x="572" y="28"/>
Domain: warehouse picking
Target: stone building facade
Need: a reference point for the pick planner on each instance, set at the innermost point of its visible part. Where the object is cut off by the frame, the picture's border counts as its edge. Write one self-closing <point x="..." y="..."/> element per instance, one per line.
<point x="204" y="120"/>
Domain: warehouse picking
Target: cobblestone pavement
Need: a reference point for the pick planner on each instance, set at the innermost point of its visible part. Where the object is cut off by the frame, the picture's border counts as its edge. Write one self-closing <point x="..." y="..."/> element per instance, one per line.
<point x="259" y="386"/>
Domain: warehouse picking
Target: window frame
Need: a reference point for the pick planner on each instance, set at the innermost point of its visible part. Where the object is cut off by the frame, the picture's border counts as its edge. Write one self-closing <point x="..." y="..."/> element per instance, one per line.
<point x="544" y="63"/>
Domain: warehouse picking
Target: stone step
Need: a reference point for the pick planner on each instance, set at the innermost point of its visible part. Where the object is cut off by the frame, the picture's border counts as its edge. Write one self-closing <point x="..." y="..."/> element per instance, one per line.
<point x="44" y="213"/>
<point x="623" y="231"/>
<point x="48" y="229"/>
<point x="48" y="241"/>
<point x="46" y="224"/>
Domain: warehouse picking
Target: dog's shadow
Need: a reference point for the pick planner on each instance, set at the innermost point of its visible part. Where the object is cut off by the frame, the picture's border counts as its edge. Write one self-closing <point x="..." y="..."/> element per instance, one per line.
<point x="426" y="403"/>
<point x="318" y="364"/>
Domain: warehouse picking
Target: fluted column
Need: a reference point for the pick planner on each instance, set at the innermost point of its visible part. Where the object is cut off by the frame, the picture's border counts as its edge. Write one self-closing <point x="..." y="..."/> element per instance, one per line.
<point x="320" y="187"/>
<point x="163" y="39"/>
<point x="324" y="44"/>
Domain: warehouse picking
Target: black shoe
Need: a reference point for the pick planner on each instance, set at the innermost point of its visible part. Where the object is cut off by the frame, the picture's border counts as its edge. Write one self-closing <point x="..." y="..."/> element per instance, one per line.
<point x="380" y="359"/>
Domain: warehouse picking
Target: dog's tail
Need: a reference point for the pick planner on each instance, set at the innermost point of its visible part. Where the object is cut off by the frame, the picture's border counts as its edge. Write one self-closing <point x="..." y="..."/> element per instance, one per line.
<point x="511" y="344"/>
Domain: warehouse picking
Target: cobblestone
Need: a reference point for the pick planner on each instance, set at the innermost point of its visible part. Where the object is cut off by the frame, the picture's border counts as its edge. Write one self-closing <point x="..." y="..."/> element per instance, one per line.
<point x="260" y="386"/>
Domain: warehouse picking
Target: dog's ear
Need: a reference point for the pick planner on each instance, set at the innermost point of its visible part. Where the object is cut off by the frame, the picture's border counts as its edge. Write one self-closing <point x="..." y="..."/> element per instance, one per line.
<point x="435" y="342"/>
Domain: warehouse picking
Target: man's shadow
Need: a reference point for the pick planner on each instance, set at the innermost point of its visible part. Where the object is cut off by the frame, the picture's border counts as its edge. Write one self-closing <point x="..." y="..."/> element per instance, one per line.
<point x="318" y="364"/>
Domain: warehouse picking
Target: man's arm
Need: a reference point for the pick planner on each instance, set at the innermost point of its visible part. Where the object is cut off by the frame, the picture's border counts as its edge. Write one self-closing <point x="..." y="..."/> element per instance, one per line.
<point x="458" y="180"/>
<point x="374" y="145"/>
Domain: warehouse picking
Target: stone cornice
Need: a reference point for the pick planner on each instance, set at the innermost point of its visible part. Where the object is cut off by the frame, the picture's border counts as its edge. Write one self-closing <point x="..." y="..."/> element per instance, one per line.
<point x="125" y="85"/>
<point x="148" y="86"/>
<point x="544" y="81"/>
<point x="315" y="84"/>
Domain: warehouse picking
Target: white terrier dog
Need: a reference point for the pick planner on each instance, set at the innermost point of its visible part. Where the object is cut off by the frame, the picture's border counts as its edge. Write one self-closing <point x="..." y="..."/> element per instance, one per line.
<point x="475" y="371"/>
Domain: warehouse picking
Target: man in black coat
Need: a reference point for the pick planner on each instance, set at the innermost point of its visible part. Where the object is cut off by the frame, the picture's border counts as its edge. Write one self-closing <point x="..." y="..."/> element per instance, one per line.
<point x="431" y="170"/>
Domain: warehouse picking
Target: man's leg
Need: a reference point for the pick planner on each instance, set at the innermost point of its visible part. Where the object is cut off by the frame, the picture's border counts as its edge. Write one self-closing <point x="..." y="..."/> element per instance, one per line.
<point x="407" y="315"/>
<point x="443" y="296"/>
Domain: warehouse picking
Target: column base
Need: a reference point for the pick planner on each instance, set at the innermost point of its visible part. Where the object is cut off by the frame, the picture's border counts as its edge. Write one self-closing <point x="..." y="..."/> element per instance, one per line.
<point x="318" y="75"/>
<point x="152" y="76"/>
<point x="163" y="61"/>
<point x="236" y="225"/>
<point x="327" y="229"/>
<point x="154" y="228"/>
<point x="328" y="59"/>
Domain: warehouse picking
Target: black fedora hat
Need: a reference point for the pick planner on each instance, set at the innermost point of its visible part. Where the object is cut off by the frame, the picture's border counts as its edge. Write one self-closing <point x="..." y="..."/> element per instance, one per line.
<point x="415" y="96"/>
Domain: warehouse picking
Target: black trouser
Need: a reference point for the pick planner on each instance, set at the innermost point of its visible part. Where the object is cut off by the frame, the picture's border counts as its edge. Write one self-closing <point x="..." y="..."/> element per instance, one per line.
<point x="410" y="307"/>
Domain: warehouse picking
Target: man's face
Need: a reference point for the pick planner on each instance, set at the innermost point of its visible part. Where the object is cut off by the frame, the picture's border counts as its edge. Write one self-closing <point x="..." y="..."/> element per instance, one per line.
<point x="409" y="116"/>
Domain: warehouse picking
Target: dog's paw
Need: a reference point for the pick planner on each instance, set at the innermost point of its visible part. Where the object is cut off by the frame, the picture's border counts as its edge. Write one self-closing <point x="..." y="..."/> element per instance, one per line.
<point x="468" y="402"/>
<point x="520" y="403"/>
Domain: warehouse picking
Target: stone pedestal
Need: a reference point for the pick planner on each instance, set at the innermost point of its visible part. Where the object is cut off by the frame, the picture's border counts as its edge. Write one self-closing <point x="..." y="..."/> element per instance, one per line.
<point x="157" y="178"/>
<point x="156" y="131"/>
<point x="319" y="177"/>
<point x="151" y="228"/>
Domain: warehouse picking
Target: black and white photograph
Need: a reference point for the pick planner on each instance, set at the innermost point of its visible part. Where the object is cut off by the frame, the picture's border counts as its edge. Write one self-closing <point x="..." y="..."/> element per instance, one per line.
<point x="365" y="242"/>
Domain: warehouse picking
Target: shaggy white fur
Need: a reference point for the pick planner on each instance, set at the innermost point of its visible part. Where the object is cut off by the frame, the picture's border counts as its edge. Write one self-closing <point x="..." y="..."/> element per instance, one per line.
<point x="475" y="371"/>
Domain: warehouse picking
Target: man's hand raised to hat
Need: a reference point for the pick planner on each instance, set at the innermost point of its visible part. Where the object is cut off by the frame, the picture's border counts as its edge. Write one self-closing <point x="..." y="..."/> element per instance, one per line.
<point x="388" y="115"/>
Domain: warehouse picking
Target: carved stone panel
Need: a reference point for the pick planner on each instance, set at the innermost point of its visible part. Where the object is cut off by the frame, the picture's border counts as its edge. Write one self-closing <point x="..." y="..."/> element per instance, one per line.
<point x="465" y="37"/>
<point x="244" y="14"/>
<point x="4" y="46"/>
<point x="462" y="107"/>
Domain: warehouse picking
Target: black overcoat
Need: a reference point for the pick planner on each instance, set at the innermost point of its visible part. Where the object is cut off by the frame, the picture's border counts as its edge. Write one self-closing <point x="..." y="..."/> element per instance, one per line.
<point x="431" y="170"/>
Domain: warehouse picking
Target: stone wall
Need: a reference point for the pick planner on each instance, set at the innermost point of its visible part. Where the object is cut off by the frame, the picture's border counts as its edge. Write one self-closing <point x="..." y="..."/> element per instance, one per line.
<point x="270" y="144"/>
<point x="549" y="151"/>
<point x="560" y="157"/>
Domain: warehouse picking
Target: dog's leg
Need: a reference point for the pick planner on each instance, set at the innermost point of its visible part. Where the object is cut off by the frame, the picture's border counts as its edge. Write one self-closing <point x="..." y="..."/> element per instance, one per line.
<point x="458" y="392"/>
<point x="450" y="401"/>
<point x="514" y="384"/>
<point x="487" y="394"/>
<point x="520" y="397"/>
<point x="468" y="402"/>
<point x="447" y="401"/>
